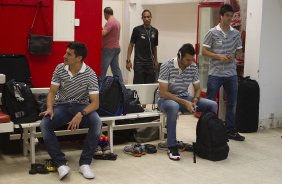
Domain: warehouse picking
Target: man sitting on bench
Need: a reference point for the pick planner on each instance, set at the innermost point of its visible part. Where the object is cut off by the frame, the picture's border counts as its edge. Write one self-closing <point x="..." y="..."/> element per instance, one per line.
<point x="175" y="77"/>
<point x="73" y="84"/>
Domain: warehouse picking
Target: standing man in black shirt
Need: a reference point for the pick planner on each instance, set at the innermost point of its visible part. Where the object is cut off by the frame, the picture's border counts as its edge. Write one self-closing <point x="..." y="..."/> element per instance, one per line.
<point x="145" y="40"/>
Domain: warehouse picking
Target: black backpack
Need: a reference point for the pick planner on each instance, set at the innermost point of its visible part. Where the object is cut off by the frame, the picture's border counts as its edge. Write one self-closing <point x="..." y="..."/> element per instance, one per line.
<point x="247" y="110"/>
<point x="19" y="102"/>
<point x="211" y="138"/>
<point x="133" y="105"/>
<point x="112" y="97"/>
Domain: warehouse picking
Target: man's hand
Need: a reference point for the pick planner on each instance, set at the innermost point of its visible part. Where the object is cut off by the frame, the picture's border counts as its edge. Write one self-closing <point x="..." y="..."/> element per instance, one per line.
<point x="48" y="112"/>
<point x="156" y="66"/>
<point x="75" y="122"/>
<point x="128" y="65"/>
<point x="223" y="57"/>
<point x="189" y="106"/>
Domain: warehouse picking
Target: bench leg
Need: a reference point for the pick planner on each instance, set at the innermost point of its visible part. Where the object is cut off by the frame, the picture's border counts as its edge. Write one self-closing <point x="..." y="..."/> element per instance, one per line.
<point x="25" y="141"/>
<point x="162" y="119"/>
<point x="32" y="144"/>
<point x="110" y="135"/>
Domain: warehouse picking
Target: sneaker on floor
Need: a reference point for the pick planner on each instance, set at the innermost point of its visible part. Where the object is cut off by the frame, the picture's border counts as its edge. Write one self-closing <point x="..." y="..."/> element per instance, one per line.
<point x="142" y="148"/>
<point x="106" y="149"/>
<point x="173" y="153"/>
<point x="63" y="171"/>
<point x="235" y="136"/>
<point x="86" y="171"/>
<point x="98" y="150"/>
<point x="163" y="145"/>
<point x="134" y="150"/>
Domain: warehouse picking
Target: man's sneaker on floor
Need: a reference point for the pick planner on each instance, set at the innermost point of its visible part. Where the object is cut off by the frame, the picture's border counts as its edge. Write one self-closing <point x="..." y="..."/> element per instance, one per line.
<point x="63" y="171"/>
<point x="106" y="150"/>
<point x="106" y="146"/>
<point x="173" y="154"/>
<point x="86" y="171"/>
<point x="233" y="134"/>
<point x="98" y="150"/>
<point x="142" y="148"/>
<point x="163" y="145"/>
<point x="134" y="150"/>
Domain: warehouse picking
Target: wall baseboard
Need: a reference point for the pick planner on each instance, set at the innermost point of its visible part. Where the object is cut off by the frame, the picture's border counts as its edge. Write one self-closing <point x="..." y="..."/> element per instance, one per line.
<point x="270" y="123"/>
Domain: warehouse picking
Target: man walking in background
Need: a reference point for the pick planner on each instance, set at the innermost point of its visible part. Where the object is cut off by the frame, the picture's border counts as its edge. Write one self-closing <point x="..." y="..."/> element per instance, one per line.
<point x="110" y="44"/>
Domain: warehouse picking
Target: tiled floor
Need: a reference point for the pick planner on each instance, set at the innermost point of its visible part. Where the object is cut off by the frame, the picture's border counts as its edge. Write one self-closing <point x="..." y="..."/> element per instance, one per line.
<point x="258" y="160"/>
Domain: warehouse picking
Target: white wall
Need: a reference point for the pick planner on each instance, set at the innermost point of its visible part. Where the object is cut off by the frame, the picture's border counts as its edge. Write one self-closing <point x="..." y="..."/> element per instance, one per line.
<point x="263" y="55"/>
<point x="177" y="24"/>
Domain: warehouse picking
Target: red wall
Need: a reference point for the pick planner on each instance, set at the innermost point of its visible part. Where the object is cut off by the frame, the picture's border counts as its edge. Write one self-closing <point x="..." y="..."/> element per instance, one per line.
<point x="16" y="21"/>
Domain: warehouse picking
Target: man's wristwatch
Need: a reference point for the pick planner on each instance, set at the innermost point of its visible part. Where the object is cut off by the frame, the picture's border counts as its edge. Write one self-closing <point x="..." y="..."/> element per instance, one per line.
<point x="128" y="61"/>
<point x="83" y="113"/>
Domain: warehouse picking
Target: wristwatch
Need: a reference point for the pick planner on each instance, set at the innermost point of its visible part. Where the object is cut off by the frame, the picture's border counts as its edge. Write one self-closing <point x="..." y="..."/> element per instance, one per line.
<point x="83" y="113"/>
<point x="128" y="61"/>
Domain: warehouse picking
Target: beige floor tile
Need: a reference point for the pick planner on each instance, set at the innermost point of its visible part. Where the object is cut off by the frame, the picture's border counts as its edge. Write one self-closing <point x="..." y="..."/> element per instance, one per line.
<point x="255" y="161"/>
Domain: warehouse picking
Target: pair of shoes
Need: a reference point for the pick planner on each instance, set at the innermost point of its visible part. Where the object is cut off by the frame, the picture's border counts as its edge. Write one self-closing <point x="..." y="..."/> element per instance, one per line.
<point x="164" y="146"/>
<point x="110" y="156"/>
<point x="173" y="153"/>
<point x="50" y="166"/>
<point x="233" y="134"/>
<point x="86" y="171"/>
<point x="136" y="150"/>
<point x="187" y="147"/>
<point x="103" y="146"/>
<point x="63" y="171"/>
<point x="37" y="168"/>
<point x="149" y="148"/>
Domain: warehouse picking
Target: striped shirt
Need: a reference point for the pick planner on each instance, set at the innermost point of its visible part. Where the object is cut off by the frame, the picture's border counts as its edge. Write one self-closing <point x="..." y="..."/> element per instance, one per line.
<point x="222" y="43"/>
<point x="74" y="89"/>
<point x="178" y="80"/>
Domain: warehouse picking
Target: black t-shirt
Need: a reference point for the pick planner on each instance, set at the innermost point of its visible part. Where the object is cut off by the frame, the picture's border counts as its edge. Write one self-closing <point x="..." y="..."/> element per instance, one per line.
<point x="142" y="38"/>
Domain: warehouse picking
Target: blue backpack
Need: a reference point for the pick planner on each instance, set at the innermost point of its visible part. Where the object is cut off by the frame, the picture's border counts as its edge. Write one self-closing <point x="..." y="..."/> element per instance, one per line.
<point x="112" y="97"/>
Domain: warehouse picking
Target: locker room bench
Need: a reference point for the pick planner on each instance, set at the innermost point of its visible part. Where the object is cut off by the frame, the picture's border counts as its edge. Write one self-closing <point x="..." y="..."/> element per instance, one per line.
<point x="146" y="96"/>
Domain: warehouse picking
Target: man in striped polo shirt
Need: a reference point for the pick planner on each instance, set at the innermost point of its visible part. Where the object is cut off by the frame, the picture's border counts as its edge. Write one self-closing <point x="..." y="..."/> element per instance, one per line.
<point x="73" y="85"/>
<point x="222" y="44"/>
<point x="175" y="77"/>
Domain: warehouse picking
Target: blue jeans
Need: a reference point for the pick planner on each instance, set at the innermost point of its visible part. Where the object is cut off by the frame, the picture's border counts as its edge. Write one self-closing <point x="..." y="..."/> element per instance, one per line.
<point x="110" y="58"/>
<point x="230" y="85"/>
<point x="171" y="108"/>
<point x="63" y="114"/>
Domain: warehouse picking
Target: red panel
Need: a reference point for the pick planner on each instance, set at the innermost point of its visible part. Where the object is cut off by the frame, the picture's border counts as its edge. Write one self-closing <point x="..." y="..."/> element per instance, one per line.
<point x="15" y="24"/>
<point x="24" y="2"/>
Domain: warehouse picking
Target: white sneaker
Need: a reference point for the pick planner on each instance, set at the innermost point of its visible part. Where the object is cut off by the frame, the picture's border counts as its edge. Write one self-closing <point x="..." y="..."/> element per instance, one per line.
<point x="63" y="171"/>
<point x="86" y="171"/>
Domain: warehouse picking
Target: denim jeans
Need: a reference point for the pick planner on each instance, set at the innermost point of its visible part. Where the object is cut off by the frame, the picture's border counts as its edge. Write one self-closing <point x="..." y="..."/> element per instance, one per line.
<point x="63" y="114"/>
<point x="110" y="58"/>
<point x="171" y="108"/>
<point x="230" y="85"/>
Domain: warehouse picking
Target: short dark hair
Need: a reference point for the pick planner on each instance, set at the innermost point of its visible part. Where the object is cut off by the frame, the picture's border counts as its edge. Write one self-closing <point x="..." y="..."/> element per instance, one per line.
<point x="225" y="8"/>
<point x="108" y="10"/>
<point x="79" y="48"/>
<point x="186" y="49"/>
<point x="144" y="11"/>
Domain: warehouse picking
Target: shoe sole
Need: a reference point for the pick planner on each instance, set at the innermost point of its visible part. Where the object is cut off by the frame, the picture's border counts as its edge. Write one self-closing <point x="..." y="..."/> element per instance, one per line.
<point x="134" y="154"/>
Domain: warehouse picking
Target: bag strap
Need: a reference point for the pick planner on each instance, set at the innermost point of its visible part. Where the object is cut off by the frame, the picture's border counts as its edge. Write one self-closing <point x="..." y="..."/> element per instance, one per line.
<point x="34" y="18"/>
